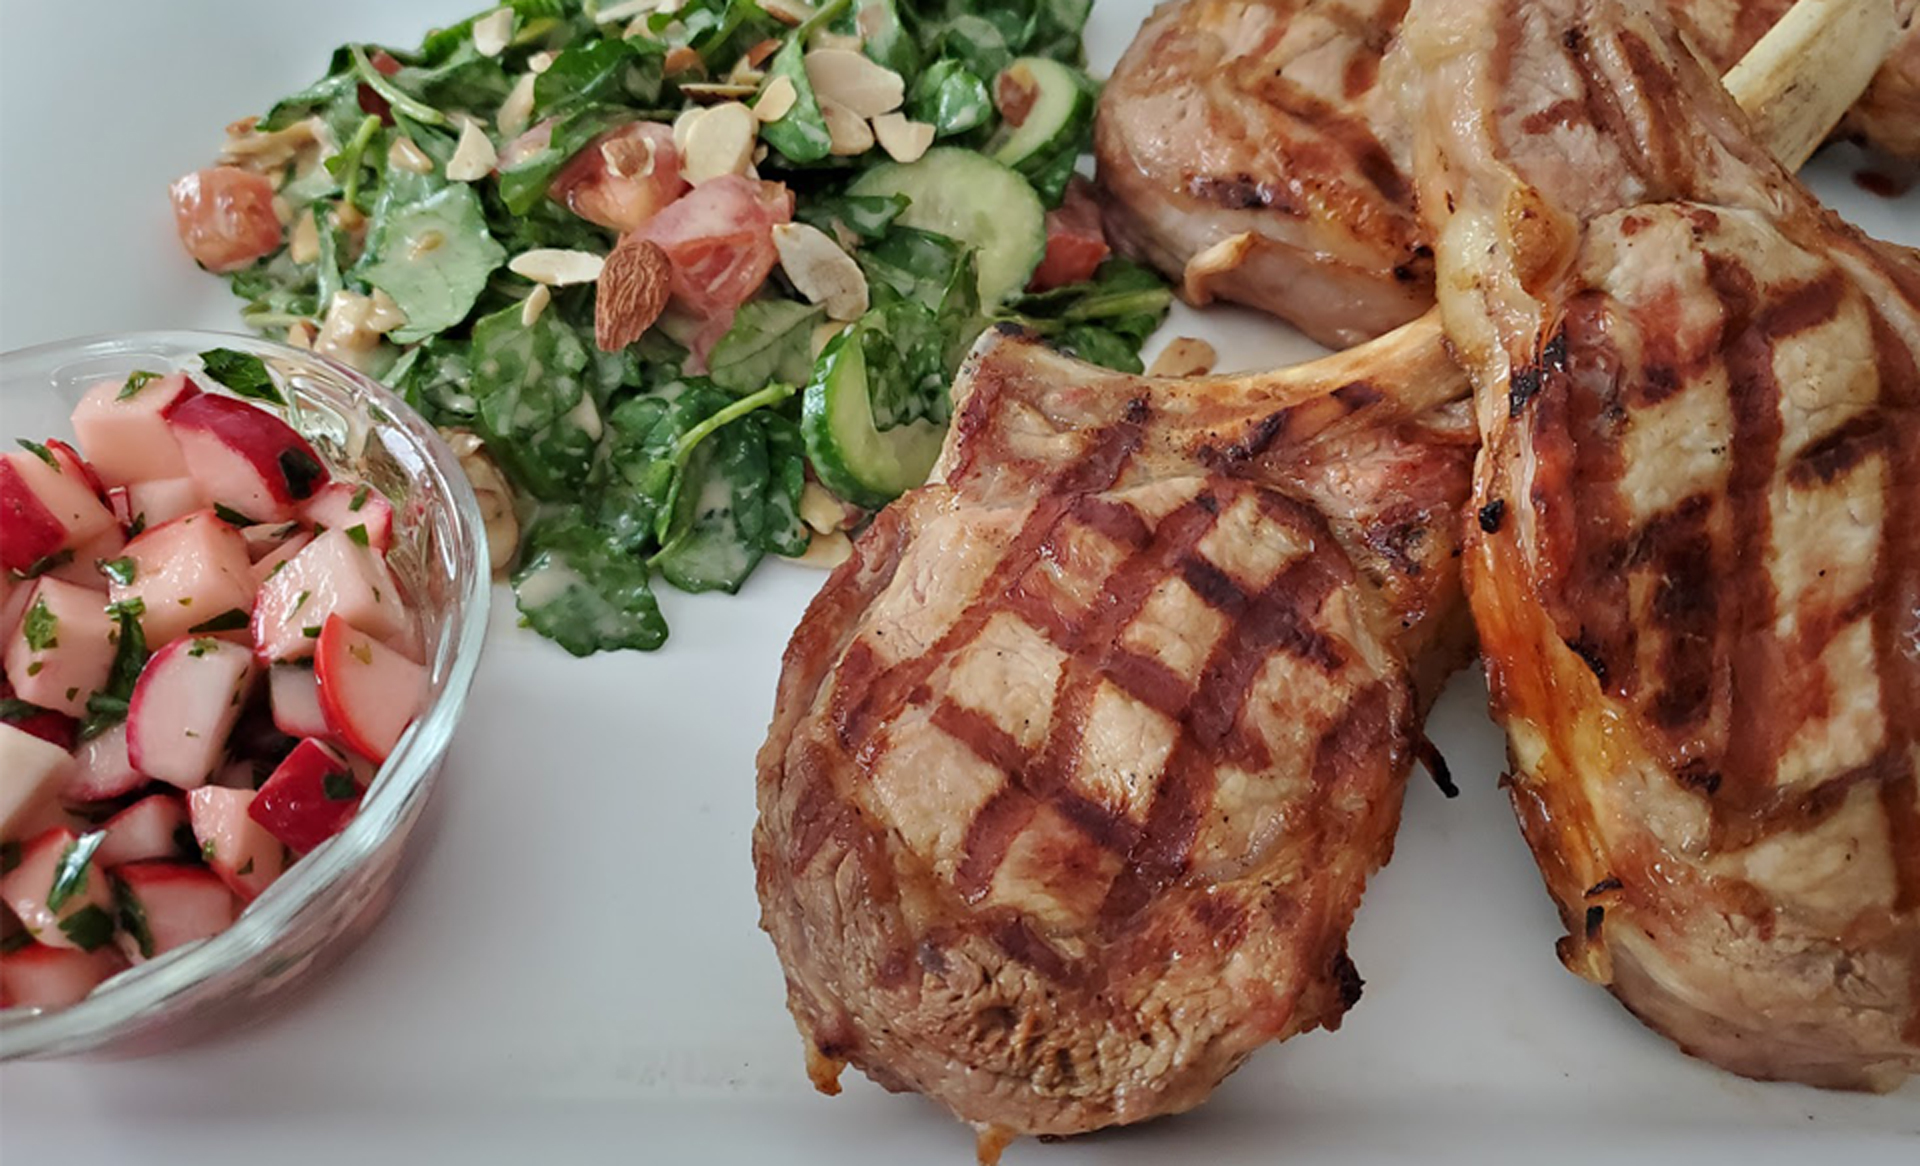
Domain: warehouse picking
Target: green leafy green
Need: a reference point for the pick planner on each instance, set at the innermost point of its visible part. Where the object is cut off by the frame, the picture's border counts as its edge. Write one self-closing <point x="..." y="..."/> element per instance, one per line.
<point x="584" y="591"/>
<point x="41" y="628"/>
<point x="852" y="218"/>
<point x="800" y="133"/>
<point x="244" y="374"/>
<point x="534" y="409"/>
<point x="524" y="182"/>
<point x="770" y="341"/>
<point x="951" y="98"/>
<point x="432" y="257"/>
<point x="622" y="71"/>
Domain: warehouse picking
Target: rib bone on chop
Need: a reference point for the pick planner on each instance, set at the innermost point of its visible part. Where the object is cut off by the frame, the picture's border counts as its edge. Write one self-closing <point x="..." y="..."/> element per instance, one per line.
<point x="1079" y="766"/>
<point x="1701" y="609"/>
<point x="1250" y="149"/>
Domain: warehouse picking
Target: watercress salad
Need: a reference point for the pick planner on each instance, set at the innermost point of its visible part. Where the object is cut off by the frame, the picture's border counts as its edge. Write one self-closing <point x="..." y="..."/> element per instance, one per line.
<point x="697" y="275"/>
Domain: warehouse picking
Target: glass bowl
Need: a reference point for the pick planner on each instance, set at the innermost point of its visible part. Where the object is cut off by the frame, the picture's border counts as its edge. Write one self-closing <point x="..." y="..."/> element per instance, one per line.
<point x="329" y="899"/>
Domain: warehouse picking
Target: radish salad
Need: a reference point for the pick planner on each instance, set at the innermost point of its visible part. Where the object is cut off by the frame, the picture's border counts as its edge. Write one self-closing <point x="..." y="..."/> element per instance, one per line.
<point x="694" y="276"/>
<point x="204" y="658"/>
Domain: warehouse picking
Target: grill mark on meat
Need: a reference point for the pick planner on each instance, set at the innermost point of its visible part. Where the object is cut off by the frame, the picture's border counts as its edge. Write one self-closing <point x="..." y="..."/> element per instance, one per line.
<point x="1242" y="193"/>
<point x="1279" y="618"/>
<point x="1013" y="935"/>
<point x="1336" y="131"/>
<point x="1147" y="680"/>
<point x="1825" y="461"/>
<point x="1685" y="607"/>
<point x="979" y="733"/>
<point x="989" y="836"/>
<point x="1560" y="114"/>
<point x="1667" y="110"/>
<point x="1357" y="395"/>
<point x="1897" y="580"/>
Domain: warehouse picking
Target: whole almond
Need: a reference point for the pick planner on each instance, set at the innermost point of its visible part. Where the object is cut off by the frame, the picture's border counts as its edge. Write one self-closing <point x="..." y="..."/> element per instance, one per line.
<point x="632" y="292"/>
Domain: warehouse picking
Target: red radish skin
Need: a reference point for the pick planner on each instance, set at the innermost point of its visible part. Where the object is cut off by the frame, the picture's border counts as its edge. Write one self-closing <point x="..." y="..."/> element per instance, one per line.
<point x="332" y="575"/>
<point x="225" y="217"/>
<point x="44" y="511"/>
<point x="39" y="976"/>
<point x="187" y="572"/>
<point x="310" y="797"/>
<point x="345" y="505"/>
<point x="102" y="770"/>
<point x="294" y="695"/>
<point x="181" y="902"/>
<point x="247" y="459"/>
<point x="234" y="846"/>
<point x="27" y="887"/>
<point x="51" y="727"/>
<point x="154" y="827"/>
<point x="31" y="773"/>
<point x="369" y="692"/>
<point x="126" y="438"/>
<point x="75" y="656"/>
<point x="184" y="706"/>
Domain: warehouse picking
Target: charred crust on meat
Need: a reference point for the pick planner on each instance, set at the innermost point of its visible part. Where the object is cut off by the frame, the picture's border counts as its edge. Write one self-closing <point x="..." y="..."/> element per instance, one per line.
<point x="1589" y="654"/>
<point x="1596" y="915"/>
<point x="1258" y="439"/>
<point x="1575" y="39"/>
<point x="1602" y="887"/>
<point x="1698" y="777"/>
<point x="1492" y="515"/>
<point x="1138" y="410"/>
<point x="1347" y="978"/>
<point x="1357" y="395"/>
<point x="1524" y="386"/>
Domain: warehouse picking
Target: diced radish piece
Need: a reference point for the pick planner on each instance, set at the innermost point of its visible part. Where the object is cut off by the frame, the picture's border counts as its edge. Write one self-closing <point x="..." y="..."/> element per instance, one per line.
<point x="38" y="976"/>
<point x="264" y="568"/>
<point x="241" y="851"/>
<point x="153" y="827"/>
<point x="334" y="575"/>
<point x="62" y="652"/>
<point x="186" y="573"/>
<point x="157" y="501"/>
<point x="309" y="799"/>
<point x="263" y="538"/>
<point x="369" y="692"/>
<point x="84" y="568"/>
<point x="121" y="505"/>
<point x="247" y="459"/>
<point x="51" y="727"/>
<point x="31" y="773"/>
<point x="44" y="511"/>
<point x="60" y="892"/>
<point x="121" y="425"/>
<point x="14" y="594"/>
<point x="343" y="506"/>
<point x="295" y="698"/>
<point x="168" y="904"/>
<point x="102" y="770"/>
<point x="73" y="465"/>
<point x="183" y="707"/>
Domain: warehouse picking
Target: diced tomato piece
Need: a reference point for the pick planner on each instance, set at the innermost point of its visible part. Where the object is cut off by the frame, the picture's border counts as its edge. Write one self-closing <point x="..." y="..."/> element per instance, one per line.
<point x="623" y="178"/>
<point x="719" y="238"/>
<point x="225" y="217"/>
<point x="1076" y="241"/>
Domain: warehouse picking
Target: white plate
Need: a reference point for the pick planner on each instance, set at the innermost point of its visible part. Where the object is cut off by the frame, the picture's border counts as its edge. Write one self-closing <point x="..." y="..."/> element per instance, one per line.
<point x="574" y="973"/>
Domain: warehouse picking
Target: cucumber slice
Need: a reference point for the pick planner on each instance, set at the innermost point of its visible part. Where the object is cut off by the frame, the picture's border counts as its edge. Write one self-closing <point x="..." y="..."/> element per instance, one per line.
<point x="852" y="458"/>
<point x="972" y="198"/>
<point x="1062" y="107"/>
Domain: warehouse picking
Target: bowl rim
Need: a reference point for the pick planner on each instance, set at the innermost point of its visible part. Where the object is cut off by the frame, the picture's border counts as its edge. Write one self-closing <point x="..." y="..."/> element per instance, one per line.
<point x="398" y="782"/>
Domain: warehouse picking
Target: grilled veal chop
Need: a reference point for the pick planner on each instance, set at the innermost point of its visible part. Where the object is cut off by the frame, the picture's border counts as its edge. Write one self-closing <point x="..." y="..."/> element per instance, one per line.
<point x="1698" y="582"/>
<point x="1079" y="766"/>
<point x="1247" y="148"/>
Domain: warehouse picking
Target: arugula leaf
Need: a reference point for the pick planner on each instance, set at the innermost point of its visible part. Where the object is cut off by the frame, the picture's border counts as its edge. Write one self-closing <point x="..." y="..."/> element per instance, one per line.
<point x="887" y="38"/>
<point x="433" y="257"/>
<point x="951" y="98"/>
<point x="243" y="374"/>
<point x="719" y="525"/>
<point x="615" y="70"/>
<point x="534" y="410"/>
<point x="584" y="592"/>
<point x="784" y="533"/>
<point x="771" y="340"/>
<point x="1103" y="321"/>
<point x="800" y="134"/>
<point x="70" y="873"/>
<point x="853" y="217"/>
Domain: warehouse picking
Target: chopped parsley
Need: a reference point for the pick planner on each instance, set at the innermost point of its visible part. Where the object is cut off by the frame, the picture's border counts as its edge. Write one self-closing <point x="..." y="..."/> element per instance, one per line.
<point x="41" y="627"/>
<point x="339" y="786"/>
<point x="70" y="873"/>
<point x="232" y="620"/>
<point x="358" y="534"/>
<point x="243" y="374"/>
<point x="89" y="928"/>
<point x="121" y="570"/>
<point x="230" y="516"/>
<point x="359" y="498"/>
<point x="136" y="380"/>
<point x="39" y="451"/>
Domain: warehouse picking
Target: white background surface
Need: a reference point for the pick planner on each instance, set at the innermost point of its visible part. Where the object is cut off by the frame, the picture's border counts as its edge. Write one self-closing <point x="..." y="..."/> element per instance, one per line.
<point x="574" y="973"/>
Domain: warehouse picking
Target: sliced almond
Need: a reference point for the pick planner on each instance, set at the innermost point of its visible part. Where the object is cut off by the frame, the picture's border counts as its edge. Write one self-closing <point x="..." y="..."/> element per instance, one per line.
<point x="758" y="55"/>
<point x="855" y="80"/>
<point x="682" y="124"/>
<point x="625" y="10"/>
<point x="777" y="99"/>
<point x="628" y="157"/>
<point x="490" y="489"/>
<point x="820" y="510"/>
<point x="348" y="334"/>
<point x="541" y="62"/>
<point x="903" y="140"/>
<point x="850" y="133"/>
<point x="632" y="292"/>
<point x="825" y="38"/>
<point x="1224" y="257"/>
<point x="719" y="141"/>
<point x="493" y="32"/>
<point x="719" y="90"/>
<point x="826" y="551"/>
<point x="534" y="305"/>
<point x="383" y="315"/>
<point x="821" y="271"/>
<point x="1184" y="356"/>
<point x="683" y="60"/>
<point x="303" y="244"/>
<point x="407" y="156"/>
<point x="516" y="112"/>
<point x="300" y="335"/>
<point x="557" y="268"/>
<point x="474" y="157"/>
<point x="789" y="12"/>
